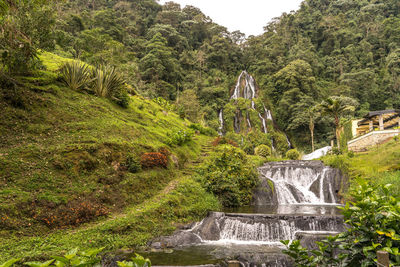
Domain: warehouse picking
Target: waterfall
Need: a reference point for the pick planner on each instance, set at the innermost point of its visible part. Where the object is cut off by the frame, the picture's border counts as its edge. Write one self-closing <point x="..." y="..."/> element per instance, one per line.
<point x="296" y="184"/>
<point x="221" y="122"/>
<point x="242" y="235"/>
<point x="317" y="153"/>
<point x="263" y="123"/>
<point x="262" y="228"/>
<point x="249" y="89"/>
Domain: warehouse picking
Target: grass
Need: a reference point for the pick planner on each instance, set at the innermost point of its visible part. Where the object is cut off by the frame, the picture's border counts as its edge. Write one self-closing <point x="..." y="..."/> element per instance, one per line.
<point x="379" y="166"/>
<point x="182" y="202"/>
<point x="59" y="146"/>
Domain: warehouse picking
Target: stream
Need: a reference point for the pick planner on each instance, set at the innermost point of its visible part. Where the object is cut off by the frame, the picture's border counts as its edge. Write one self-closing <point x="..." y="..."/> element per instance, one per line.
<point x="295" y="200"/>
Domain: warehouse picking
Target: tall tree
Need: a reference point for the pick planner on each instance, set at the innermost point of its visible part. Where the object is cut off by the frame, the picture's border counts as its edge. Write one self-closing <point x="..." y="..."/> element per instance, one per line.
<point x="335" y="108"/>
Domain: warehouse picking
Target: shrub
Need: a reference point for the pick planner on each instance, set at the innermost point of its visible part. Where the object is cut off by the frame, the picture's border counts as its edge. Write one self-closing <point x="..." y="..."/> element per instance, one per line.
<point x="372" y="225"/>
<point x="263" y="151"/>
<point x="179" y="137"/>
<point x="74" y="213"/>
<point x="229" y="175"/>
<point x="221" y="140"/>
<point x="350" y="154"/>
<point x="165" y="104"/>
<point x="202" y="130"/>
<point x="76" y="75"/>
<point x="154" y="159"/>
<point x="106" y="81"/>
<point x="133" y="164"/>
<point x="293" y="154"/>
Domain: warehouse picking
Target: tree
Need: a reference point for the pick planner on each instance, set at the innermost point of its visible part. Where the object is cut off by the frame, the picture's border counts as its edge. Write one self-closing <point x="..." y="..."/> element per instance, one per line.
<point x="26" y="26"/>
<point x="336" y="108"/>
<point x="190" y="103"/>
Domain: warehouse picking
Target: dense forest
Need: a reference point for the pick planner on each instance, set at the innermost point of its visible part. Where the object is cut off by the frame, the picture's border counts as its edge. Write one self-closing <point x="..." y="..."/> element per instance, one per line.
<point x="326" y="48"/>
<point x="123" y="120"/>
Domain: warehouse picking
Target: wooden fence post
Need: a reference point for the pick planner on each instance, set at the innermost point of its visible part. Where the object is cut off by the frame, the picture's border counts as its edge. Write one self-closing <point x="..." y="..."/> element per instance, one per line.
<point x="382" y="258"/>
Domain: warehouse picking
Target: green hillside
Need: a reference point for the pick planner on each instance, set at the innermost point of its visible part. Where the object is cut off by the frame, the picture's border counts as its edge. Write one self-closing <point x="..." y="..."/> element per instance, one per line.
<point x="65" y="160"/>
<point x="378" y="166"/>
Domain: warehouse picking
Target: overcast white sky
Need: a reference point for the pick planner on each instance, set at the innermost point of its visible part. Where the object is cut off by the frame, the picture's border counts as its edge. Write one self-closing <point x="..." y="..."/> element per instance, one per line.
<point x="248" y="16"/>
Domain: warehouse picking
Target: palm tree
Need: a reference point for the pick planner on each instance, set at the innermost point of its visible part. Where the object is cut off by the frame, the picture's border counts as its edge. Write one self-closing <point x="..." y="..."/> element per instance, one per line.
<point x="312" y="114"/>
<point x="335" y="107"/>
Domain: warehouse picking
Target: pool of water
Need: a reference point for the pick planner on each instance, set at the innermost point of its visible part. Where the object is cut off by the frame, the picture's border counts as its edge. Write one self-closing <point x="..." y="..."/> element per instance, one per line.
<point x="293" y="209"/>
<point x="217" y="253"/>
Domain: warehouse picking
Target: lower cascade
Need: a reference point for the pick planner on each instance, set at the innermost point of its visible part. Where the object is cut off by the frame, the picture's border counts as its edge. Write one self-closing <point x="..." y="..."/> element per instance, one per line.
<point x="295" y="200"/>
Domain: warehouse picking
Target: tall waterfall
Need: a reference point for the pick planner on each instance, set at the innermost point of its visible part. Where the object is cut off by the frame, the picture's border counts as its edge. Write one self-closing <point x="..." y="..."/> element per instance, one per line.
<point x="246" y="88"/>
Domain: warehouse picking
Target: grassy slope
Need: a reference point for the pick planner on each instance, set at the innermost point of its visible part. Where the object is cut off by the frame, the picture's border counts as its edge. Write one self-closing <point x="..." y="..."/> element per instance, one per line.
<point x="58" y="146"/>
<point x="379" y="166"/>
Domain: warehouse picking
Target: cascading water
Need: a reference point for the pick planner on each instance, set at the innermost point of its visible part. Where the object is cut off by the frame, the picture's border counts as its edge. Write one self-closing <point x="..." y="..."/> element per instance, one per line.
<point x="308" y="183"/>
<point x="295" y="182"/>
<point x="221" y="122"/>
<point x="246" y="88"/>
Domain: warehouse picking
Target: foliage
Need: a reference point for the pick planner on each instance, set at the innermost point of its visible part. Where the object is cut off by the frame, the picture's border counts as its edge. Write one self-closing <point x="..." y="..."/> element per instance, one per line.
<point x="165" y="104"/>
<point x="106" y="81"/>
<point x="179" y="137"/>
<point x="229" y="175"/>
<point x="202" y="130"/>
<point x="133" y="163"/>
<point x="73" y="213"/>
<point x="76" y="75"/>
<point x="25" y="27"/>
<point x="137" y="261"/>
<point x="372" y="219"/>
<point x="154" y="159"/>
<point x="262" y="151"/>
<point x="336" y="108"/>
<point x="222" y="140"/>
<point x="190" y="104"/>
<point x="9" y="263"/>
<point x="293" y="154"/>
<point x="72" y="258"/>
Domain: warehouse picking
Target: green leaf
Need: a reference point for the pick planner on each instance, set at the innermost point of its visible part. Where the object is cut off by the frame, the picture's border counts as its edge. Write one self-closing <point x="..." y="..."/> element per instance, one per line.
<point x="9" y="263"/>
<point x="71" y="254"/>
<point x="39" y="264"/>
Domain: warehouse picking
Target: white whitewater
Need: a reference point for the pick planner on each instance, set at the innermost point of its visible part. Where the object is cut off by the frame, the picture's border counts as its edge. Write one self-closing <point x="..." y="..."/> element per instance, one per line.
<point x="293" y="185"/>
<point x="317" y="153"/>
<point x="246" y="88"/>
<point x="221" y="122"/>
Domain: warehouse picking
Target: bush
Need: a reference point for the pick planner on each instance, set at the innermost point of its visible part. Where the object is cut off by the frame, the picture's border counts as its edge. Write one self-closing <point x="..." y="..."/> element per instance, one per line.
<point x="350" y="154"/>
<point x="293" y="154"/>
<point x="229" y="175"/>
<point x="372" y="225"/>
<point x="179" y="137"/>
<point x="263" y="151"/>
<point x="221" y="140"/>
<point x="165" y="104"/>
<point x="202" y="130"/>
<point x="76" y="75"/>
<point x="133" y="164"/>
<point x="106" y="81"/>
<point x="154" y="159"/>
<point x="74" y="213"/>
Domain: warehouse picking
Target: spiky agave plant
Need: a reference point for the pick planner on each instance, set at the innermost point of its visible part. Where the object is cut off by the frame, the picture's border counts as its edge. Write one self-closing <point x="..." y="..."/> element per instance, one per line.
<point x="76" y="75"/>
<point x="106" y="81"/>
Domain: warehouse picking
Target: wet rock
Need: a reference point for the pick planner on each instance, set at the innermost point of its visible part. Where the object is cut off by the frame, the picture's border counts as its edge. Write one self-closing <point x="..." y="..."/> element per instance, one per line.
<point x="179" y="238"/>
<point x="209" y="228"/>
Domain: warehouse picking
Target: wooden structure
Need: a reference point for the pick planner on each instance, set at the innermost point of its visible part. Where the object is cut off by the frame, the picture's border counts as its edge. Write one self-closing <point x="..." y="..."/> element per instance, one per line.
<point x="379" y="120"/>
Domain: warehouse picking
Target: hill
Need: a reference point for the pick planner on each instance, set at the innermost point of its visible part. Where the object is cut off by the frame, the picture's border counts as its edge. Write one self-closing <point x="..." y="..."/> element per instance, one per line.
<point x="69" y="157"/>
